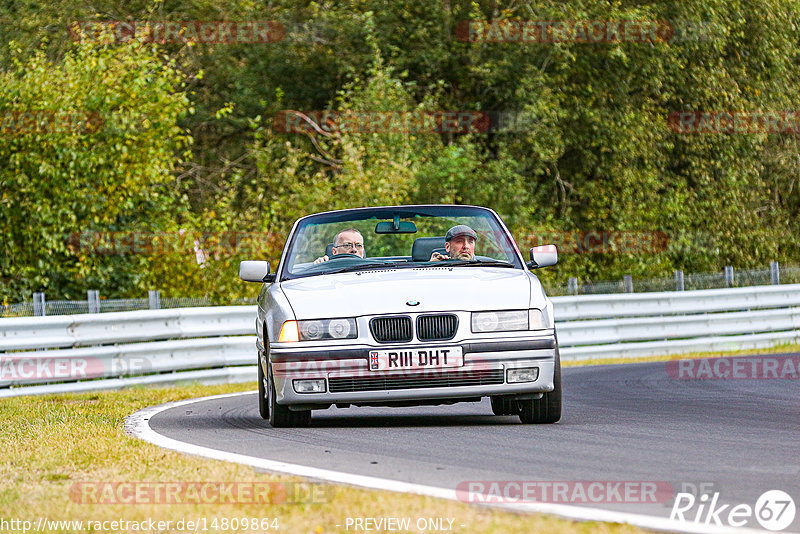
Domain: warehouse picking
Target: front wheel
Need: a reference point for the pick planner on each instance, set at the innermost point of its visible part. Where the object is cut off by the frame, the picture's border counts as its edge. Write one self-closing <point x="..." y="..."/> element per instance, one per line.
<point x="281" y="416"/>
<point x="263" y="388"/>
<point x="547" y="409"/>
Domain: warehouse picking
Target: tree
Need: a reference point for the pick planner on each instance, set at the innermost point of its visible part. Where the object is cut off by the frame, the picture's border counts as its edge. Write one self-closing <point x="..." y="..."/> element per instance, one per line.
<point x="97" y="157"/>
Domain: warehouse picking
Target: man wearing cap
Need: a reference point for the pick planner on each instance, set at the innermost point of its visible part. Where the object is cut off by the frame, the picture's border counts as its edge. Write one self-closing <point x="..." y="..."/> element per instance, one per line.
<point x="459" y="242"/>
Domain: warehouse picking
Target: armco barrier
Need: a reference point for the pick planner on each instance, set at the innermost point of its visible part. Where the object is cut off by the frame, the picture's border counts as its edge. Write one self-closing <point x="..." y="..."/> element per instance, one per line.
<point x="124" y="327"/>
<point x="644" y="324"/>
<point x="216" y="344"/>
<point x="210" y="343"/>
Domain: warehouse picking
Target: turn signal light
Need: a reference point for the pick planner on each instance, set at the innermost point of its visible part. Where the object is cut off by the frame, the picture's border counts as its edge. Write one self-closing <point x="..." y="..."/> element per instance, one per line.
<point x="289" y="332"/>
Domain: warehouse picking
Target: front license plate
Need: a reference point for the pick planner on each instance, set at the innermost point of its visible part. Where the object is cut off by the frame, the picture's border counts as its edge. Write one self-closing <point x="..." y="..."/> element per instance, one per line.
<point x="422" y="358"/>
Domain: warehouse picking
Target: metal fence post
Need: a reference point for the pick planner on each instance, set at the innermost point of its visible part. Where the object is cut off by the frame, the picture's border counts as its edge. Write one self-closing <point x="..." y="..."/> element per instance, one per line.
<point x="775" y="272"/>
<point x="679" y="280"/>
<point x="93" y="296"/>
<point x="154" y="296"/>
<point x="38" y="305"/>
<point x="572" y="286"/>
<point x="728" y="276"/>
<point x="628" y="281"/>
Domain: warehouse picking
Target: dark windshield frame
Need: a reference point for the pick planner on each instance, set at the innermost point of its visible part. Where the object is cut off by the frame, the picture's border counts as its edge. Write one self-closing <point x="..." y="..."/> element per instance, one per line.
<point x="388" y="212"/>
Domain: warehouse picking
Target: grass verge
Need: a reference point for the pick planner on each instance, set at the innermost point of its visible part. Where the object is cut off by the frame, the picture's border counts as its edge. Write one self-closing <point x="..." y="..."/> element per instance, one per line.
<point x="57" y="446"/>
<point x="54" y="447"/>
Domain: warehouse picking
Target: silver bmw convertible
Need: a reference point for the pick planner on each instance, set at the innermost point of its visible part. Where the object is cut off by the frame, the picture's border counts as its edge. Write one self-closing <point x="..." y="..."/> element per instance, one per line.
<point x="404" y="306"/>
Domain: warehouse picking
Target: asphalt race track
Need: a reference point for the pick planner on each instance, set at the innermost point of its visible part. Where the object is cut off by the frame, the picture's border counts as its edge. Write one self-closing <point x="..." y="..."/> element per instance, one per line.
<point x="735" y="437"/>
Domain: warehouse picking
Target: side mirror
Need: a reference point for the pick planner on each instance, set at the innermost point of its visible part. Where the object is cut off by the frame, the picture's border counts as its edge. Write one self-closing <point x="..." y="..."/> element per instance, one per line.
<point x="255" y="271"/>
<point x="543" y="256"/>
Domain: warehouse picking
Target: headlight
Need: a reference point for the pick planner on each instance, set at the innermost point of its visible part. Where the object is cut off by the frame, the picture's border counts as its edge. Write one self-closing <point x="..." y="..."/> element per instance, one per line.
<point x="509" y="321"/>
<point x="315" y="330"/>
<point x="311" y="330"/>
<point x="341" y="328"/>
<point x="500" y="321"/>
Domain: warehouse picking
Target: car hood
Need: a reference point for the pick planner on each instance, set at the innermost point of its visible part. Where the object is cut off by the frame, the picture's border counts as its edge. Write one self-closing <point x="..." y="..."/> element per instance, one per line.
<point x="381" y="292"/>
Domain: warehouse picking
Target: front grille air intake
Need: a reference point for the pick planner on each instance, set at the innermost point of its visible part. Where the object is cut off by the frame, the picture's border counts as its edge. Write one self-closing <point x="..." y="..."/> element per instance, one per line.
<point x="482" y="377"/>
<point x="436" y="327"/>
<point x="391" y="329"/>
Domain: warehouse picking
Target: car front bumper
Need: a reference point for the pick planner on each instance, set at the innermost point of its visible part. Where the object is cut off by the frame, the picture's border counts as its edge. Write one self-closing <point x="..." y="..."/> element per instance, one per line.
<point x="348" y="379"/>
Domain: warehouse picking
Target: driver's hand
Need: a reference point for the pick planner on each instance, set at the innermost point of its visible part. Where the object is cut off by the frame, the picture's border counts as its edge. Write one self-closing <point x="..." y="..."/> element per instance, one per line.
<point x="437" y="256"/>
<point x="320" y="260"/>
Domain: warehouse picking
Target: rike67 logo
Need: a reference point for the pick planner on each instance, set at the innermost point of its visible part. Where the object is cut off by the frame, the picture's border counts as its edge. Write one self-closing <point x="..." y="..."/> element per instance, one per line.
<point x="774" y="510"/>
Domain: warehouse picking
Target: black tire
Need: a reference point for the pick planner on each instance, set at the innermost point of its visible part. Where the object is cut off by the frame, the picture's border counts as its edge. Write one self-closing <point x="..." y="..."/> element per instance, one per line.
<point x="546" y="410"/>
<point x="263" y="400"/>
<point x="281" y="416"/>
<point x="504" y="406"/>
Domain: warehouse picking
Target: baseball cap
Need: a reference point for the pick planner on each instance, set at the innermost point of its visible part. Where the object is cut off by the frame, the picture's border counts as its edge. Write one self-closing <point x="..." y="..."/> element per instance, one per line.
<point x="460" y="229"/>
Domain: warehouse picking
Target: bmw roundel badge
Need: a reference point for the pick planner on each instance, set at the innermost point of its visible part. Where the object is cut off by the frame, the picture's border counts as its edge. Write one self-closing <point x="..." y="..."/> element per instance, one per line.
<point x="413" y="303"/>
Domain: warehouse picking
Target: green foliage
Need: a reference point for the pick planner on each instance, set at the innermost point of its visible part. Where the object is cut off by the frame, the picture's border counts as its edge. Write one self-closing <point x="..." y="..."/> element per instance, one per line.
<point x="589" y="150"/>
<point x="109" y="170"/>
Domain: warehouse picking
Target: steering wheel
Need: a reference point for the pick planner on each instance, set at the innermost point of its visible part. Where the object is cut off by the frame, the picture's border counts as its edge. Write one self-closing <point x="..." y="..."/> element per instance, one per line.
<point x="345" y="255"/>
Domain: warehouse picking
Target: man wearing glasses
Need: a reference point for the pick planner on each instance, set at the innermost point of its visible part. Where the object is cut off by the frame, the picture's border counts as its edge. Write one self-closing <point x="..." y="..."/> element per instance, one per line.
<point x="348" y="241"/>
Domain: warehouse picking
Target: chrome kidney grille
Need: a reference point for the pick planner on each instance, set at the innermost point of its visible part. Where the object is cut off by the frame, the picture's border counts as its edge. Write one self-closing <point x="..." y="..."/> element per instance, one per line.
<point x="436" y="327"/>
<point x="399" y="329"/>
<point x="391" y="329"/>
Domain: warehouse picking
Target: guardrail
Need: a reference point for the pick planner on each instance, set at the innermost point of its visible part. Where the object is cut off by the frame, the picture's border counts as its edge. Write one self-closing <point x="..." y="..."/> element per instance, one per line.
<point x="83" y="330"/>
<point x="158" y="346"/>
<point x="645" y="324"/>
<point x="62" y="353"/>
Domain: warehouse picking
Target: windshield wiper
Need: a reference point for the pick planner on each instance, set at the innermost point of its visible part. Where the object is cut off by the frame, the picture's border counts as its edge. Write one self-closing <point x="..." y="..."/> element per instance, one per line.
<point x="468" y="263"/>
<point x="367" y="267"/>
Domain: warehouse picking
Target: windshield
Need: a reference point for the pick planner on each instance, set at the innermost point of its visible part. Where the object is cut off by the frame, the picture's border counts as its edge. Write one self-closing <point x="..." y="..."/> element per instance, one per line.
<point x="398" y="238"/>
